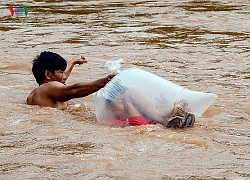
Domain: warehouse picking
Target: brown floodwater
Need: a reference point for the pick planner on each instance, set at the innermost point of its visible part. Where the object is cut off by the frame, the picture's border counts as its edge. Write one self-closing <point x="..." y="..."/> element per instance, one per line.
<point x="201" y="45"/>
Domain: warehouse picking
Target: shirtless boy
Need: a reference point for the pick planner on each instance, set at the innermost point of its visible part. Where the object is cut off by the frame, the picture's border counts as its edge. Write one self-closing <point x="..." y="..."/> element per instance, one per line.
<point x="51" y="72"/>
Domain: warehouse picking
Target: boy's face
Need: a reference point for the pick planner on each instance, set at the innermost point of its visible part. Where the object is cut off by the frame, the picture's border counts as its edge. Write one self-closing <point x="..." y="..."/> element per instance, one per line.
<point x="58" y="75"/>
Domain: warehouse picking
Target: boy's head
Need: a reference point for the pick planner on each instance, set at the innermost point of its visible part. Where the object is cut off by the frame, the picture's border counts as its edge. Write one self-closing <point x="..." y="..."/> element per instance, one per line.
<point x="47" y="61"/>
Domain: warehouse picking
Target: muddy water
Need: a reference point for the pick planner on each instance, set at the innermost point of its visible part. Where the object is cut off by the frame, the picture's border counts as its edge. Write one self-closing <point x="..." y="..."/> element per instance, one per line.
<point x="202" y="45"/>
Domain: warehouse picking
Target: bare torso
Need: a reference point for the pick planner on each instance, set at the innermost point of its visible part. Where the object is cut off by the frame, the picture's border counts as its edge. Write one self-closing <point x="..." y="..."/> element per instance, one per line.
<point x="40" y="96"/>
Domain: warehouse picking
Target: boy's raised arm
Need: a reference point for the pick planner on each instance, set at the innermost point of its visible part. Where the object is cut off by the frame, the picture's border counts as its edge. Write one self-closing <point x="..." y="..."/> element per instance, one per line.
<point x="72" y="63"/>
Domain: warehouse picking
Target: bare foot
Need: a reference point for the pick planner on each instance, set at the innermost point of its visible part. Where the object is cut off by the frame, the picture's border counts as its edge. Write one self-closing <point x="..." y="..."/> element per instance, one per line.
<point x="180" y="109"/>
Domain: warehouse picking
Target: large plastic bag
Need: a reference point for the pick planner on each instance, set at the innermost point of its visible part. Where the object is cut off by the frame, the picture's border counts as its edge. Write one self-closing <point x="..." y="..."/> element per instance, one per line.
<point x="159" y="92"/>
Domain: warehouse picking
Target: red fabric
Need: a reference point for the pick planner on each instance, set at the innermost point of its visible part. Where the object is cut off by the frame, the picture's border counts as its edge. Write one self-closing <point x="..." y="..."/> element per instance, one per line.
<point x="138" y="120"/>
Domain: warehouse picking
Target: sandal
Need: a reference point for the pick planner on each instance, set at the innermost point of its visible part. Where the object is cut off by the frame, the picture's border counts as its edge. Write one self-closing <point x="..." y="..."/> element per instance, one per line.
<point x="181" y="122"/>
<point x="175" y="122"/>
<point x="189" y="121"/>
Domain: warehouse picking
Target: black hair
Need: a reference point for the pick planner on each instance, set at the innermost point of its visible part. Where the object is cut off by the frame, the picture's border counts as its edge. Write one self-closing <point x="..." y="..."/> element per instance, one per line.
<point x="47" y="61"/>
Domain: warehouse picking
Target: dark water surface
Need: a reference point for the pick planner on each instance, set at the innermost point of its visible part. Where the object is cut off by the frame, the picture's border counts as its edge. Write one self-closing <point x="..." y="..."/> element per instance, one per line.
<point x="202" y="45"/>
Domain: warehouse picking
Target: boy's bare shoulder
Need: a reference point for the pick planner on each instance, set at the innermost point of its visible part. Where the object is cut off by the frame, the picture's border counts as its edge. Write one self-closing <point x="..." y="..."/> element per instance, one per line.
<point x="42" y="91"/>
<point x="30" y="97"/>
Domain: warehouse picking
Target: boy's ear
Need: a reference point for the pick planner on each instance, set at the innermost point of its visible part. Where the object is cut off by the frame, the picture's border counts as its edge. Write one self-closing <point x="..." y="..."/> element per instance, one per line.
<point x="47" y="74"/>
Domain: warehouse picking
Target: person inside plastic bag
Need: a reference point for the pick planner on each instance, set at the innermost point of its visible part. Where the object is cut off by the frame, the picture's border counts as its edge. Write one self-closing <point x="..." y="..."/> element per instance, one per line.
<point x="130" y="107"/>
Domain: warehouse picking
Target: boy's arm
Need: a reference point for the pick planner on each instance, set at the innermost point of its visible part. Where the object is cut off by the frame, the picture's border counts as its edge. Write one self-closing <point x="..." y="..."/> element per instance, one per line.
<point x="72" y="63"/>
<point x="62" y="93"/>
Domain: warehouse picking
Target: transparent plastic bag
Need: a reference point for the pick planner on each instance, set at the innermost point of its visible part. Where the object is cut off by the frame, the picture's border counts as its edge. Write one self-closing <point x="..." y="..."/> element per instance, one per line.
<point x="151" y="92"/>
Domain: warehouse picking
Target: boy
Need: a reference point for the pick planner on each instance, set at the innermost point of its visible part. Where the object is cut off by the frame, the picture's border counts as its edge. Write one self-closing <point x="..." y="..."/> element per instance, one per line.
<point x="51" y="72"/>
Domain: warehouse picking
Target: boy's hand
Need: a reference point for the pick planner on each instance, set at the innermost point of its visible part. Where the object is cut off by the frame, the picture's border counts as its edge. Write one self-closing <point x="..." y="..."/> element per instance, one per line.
<point x="109" y="77"/>
<point x="79" y="60"/>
